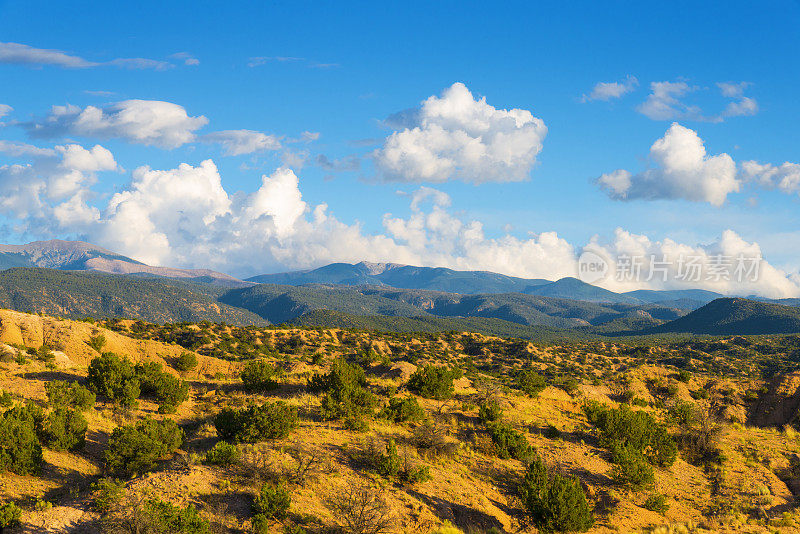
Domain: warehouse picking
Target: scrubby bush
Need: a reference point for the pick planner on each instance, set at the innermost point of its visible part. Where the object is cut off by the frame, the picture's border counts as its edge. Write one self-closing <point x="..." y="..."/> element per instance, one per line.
<point x="272" y="502"/>
<point x="186" y="362"/>
<point x="108" y="493"/>
<point x="389" y="465"/>
<point x="167" y="390"/>
<point x="490" y="411"/>
<point x="65" y="429"/>
<point x="256" y="423"/>
<point x="224" y="454"/>
<point x="360" y="509"/>
<point x="656" y="502"/>
<point x="635" y="429"/>
<point x="555" y="502"/>
<point x="403" y="410"/>
<point x="509" y="442"/>
<point x="258" y="375"/>
<point x="20" y="450"/>
<point x="114" y="377"/>
<point x="6" y="398"/>
<point x="345" y="395"/>
<point x="97" y="342"/>
<point x="10" y="515"/>
<point x="433" y="382"/>
<point x="61" y="394"/>
<point x="631" y="468"/>
<point x="133" y="449"/>
<point x="531" y="382"/>
<point x="165" y="518"/>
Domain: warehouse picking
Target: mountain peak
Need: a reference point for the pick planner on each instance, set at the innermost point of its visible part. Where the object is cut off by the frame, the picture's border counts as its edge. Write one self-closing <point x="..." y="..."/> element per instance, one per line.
<point x="373" y="268"/>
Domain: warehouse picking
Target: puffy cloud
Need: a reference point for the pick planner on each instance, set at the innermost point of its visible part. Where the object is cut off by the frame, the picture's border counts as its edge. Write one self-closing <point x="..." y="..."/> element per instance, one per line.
<point x="785" y="177"/>
<point x="238" y="142"/>
<point x="20" y="54"/>
<point x="148" y="122"/>
<point x="611" y="90"/>
<point x="5" y="109"/>
<point x="33" y="192"/>
<point x="682" y="170"/>
<point x="455" y="136"/>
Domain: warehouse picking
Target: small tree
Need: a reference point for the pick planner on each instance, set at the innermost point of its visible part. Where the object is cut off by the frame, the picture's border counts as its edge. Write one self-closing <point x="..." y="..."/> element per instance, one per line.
<point x="272" y="502"/>
<point x="403" y="410"/>
<point x="531" y="382"/>
<point x="167" y="390"/>
<point x="66" y="430"/>
<point x="134" y="449"/>
<point x="555" y="502"/>
<point x="114" y="377"/>
<point x="186" y="362"/>
<point x="433" y="382"/>
<point x="631" y="468"/>
<point x="256" y="423"/>
<point x="258" y="375"/>
<point x="20" y="451"/>
<point x="359" y="509"/>
<point x="61" y="394"/>
<point x="345" y="395"/>
<point x="166" y="518"/>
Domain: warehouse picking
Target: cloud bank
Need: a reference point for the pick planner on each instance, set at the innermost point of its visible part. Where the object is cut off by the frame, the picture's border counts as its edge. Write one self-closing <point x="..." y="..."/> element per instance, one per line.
<point x="185" y="217"/>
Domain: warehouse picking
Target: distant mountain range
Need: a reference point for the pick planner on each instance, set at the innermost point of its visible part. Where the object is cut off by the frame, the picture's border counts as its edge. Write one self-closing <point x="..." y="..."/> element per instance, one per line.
<point x="82" y="256"/>
<point x="75" y="279"/>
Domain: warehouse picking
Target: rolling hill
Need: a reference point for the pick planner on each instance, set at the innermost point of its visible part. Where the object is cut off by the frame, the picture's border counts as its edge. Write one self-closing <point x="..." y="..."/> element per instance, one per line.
<point x="736" y="316"/>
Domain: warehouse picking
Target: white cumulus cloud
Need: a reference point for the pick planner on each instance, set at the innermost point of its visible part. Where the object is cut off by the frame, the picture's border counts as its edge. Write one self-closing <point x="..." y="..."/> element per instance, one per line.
<point x="682" y="170"/>
<point x="147" y="122"/>
<point x="456" y="137"/>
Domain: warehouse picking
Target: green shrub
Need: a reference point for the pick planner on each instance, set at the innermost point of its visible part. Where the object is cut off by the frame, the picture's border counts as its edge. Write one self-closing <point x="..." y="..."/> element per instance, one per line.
<point x="345" y="395"/>
<point x="20" y="450"/>
<point x="258" y="375"/>
<point x="555" y="502"/>
<point x="114" y="377"/>
<point x="61" y="394"/>
<point x="631" y="468"/>
<point x="256" y="423"/>
<point x="7" y="399"/>
<point x="133" y="449"/>
<point x="186" y="362"/>
<point x="108" y="492"/>
<point x="224" y="454"/>
<point x="166" y="518"/>
<point x="403" y="410"/>
<point x="490" y="411"/>
<point x="656" y="502"/>
<point x="167" y="390"/>
<point x="97" y="342"/>
<point x="10" y="515"/>
<point x="272" y="502"/>
<point x="389" y="465"/>
<point x="433" y="382"/>
<point x="65" y="429"/>
<point x="509" y="442"/>
<point x="683" y="414"/>
<point x="531" y="382"/>
<point x="635" y="429"/>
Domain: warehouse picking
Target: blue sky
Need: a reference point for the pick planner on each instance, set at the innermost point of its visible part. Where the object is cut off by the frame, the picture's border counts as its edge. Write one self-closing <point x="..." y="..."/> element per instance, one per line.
<point x="338" y="70"/>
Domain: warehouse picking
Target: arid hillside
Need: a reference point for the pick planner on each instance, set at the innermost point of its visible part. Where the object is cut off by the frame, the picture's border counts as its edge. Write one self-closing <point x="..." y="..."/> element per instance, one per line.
<point x="210" y="428"/>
